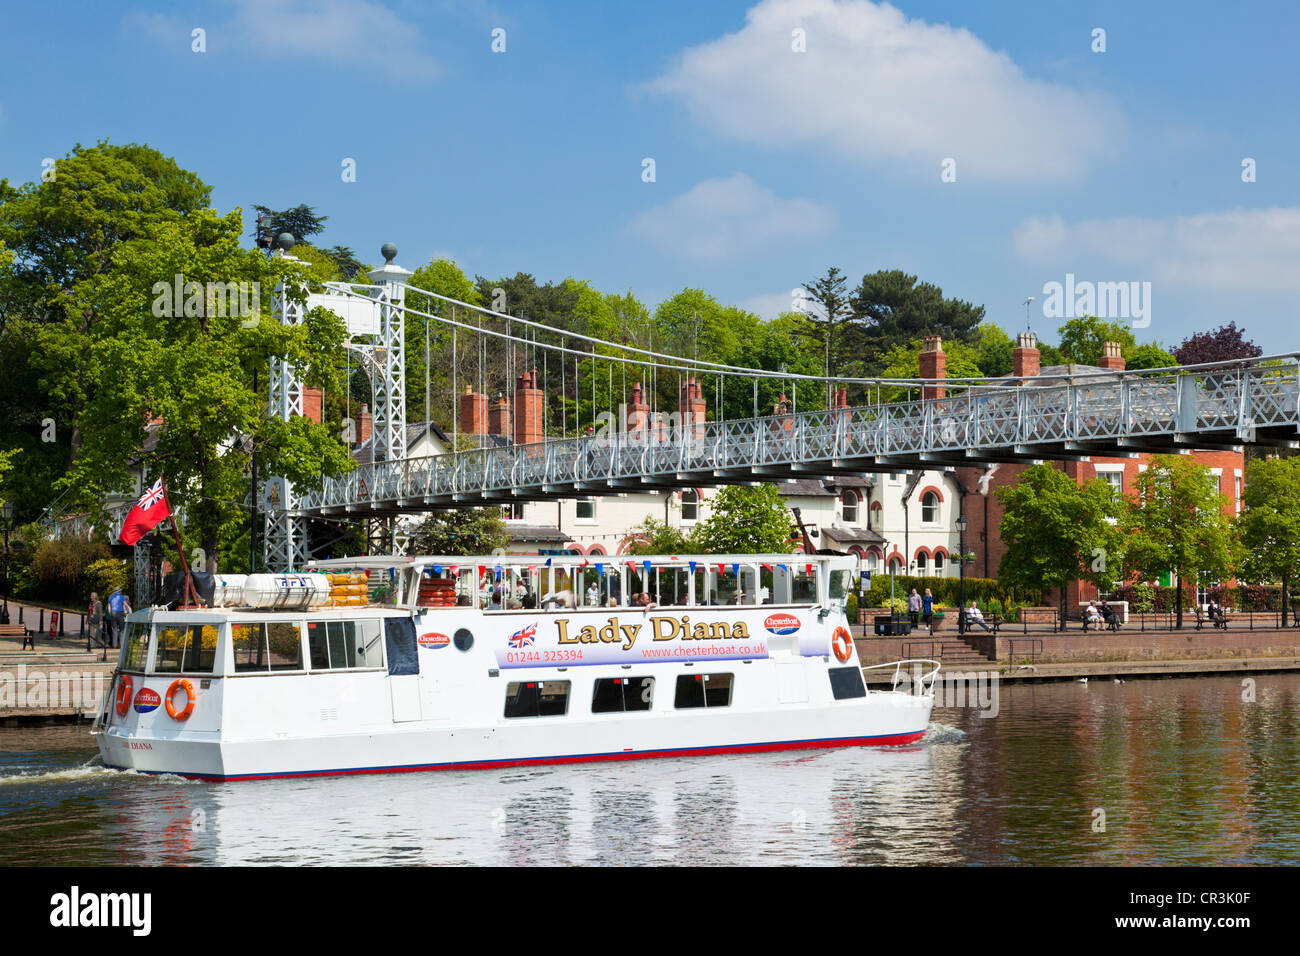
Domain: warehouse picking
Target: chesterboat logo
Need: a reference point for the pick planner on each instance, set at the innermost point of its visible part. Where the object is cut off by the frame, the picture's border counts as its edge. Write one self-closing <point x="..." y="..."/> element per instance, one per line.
<point x="77" y="909"/>
<point x="147" y="701"/>
<point x="781" y="624"/>
<point x="434" y="641"/>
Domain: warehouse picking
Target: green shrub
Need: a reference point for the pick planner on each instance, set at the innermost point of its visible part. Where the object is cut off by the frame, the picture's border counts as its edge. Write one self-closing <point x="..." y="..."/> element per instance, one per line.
<point x="102" y="576"/>
<point x="851" y="607"/>
<point x="60" y="566"/>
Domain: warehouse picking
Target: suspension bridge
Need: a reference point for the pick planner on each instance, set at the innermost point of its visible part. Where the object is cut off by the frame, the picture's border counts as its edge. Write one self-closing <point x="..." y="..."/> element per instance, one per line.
<point x="923" y="423"/>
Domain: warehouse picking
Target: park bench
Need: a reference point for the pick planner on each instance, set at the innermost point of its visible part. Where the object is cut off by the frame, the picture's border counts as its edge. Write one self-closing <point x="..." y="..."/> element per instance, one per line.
<point x="1202" y="617"/>
<point x="18" y="630"/>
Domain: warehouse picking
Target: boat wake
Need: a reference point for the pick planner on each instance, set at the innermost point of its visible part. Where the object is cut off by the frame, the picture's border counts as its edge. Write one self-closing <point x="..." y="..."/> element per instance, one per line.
<point x="86" y="772"/>
<point x="943" y="734"/>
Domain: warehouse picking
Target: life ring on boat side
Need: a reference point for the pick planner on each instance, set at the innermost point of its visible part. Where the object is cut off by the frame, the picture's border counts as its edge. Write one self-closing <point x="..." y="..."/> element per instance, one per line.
<point x="123" y="695"/>
<point x="842" y="644"/>
<point x="191" y="699"/>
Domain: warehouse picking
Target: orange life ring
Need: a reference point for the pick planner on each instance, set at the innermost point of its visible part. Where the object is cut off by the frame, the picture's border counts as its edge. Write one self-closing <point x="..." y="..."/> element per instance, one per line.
<point x="842" y="644"/>
<point x="123" y="695"/>
<point x="190" y="697"/>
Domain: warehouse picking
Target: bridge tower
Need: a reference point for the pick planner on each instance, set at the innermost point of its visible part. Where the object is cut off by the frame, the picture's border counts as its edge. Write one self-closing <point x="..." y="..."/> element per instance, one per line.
<point x="284" y="537"/>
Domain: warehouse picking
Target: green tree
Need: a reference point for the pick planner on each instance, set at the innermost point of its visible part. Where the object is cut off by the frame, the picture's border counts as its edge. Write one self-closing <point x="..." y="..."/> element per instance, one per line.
<point x="745" y="519"/>
<point x="891" y="308"/>
<point x="1269" y="524"/>
<point x="1056" y="532"/>
<point x="993" y="350"/>
<point x="1174" y="523"/>
<point x="831" y="308"/>
<point x="429" y="383"/>
<point x="1082" y="339"/>
<point x="301" y="222"/>
<point x="469" y="531"/>
<point x="904" y="361"/>
<point x="1149" y="356"/>
<point x="653" y="536"/>
<point x="114" y="348"/>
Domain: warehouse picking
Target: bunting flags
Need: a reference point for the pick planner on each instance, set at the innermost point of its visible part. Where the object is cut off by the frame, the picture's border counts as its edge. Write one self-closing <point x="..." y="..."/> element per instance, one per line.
<point x="600" y="568"/>
<point x="692" y="567"/>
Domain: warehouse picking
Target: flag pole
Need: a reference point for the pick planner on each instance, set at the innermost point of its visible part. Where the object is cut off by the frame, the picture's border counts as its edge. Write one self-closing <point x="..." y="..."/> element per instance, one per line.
<point x="189" y="596"/>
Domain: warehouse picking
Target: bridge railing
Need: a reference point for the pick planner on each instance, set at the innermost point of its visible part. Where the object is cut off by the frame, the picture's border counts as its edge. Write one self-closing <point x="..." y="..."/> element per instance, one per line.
<point x="1230" y="401"/>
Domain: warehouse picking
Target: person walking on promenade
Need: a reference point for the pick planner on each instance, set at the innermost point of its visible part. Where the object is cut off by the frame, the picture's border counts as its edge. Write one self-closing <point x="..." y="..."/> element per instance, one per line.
<point x="914" y="607"/>
<point x="117" y="611"/>
<point x="95" y="619"/>
<point x="927" y="607"/>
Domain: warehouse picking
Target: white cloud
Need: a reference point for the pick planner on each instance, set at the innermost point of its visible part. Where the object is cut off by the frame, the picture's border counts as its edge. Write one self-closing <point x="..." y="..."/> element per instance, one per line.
<point x="875" y="86"/>
<point x="771" y="304"/>
<point x="1241" y="250"/>
<point x="729" y="218"/>
<point x="360" y="32"/>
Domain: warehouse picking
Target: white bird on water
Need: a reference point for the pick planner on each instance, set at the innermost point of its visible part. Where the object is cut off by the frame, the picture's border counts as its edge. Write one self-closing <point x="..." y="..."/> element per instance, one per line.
<point x="1082" y="680"/>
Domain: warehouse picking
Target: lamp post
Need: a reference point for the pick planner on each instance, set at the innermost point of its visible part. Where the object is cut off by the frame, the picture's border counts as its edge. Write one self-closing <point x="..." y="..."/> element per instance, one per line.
<point x="6" y="519"/>
<point x="961" y="588"/>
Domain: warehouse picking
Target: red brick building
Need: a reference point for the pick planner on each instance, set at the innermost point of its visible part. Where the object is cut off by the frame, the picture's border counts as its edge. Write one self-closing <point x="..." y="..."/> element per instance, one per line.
<point x="978" y="485"/>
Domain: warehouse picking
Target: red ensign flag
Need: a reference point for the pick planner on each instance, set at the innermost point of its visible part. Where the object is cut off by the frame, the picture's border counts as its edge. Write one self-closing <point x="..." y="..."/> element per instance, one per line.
<point x="147" y="514"/>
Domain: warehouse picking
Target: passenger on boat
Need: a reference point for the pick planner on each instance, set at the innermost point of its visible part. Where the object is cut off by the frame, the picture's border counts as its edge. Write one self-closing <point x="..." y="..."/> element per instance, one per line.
<point x="593" y="595"/>
<point x="643" y="599"/>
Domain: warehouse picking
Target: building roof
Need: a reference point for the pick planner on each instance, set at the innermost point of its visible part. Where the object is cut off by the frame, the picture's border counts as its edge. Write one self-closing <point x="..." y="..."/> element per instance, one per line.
<point x="533" y="532"/>
<point x="823" y="487"/>
<point x="364" y="453"/>
<point x="853" y="535"/>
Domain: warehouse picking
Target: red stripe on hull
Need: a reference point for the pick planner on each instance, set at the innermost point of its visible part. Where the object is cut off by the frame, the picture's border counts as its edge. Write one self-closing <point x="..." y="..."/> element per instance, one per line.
<point x="887" y="741"/>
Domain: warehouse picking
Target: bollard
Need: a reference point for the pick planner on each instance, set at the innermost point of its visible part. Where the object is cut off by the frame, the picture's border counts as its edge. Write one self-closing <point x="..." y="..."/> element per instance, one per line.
<point x="20" y="614"/>
<point x="61" y="617"/>
<point x="41" y="624"/>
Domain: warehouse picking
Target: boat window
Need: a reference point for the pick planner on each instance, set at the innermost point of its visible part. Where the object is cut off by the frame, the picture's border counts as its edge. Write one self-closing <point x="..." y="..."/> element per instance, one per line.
<point x="840" y="583"/>
<point x="137" y="646"/>
<point x="549" y="698"/>
<point x="703" y="690"/>
<point x="614" y="695"/>
<point x="403" y="655"/>
<point x="189" y="648"/>
<point x="336" y="645"/>
<point x="846" y="682"/>
<point x="266" y="646"/>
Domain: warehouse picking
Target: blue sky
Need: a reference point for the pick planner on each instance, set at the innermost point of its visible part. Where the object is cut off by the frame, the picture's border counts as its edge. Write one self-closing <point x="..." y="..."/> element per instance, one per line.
<point x="771" y="162"/>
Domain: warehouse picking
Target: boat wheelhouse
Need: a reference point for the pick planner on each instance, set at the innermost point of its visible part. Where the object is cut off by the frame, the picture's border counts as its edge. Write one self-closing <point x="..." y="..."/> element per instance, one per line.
<point x="372" y="665"/>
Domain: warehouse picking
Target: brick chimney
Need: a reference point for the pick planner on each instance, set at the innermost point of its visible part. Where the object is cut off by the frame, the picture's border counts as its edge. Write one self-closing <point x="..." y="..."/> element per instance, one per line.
<point x="365" y="425"/>
<point x="1025" y="357"/>
<point x="473" y="412"/>
<point x="312" y="399"/>
<point x="841" y="398"/>
<point x="499" y="416"/>
<point x="693" y="408"/>
<point x="528" y="409"/>
<point x="934" y="365"/>
<point x="1110" y="357"/>
<point x="638" y="415"/>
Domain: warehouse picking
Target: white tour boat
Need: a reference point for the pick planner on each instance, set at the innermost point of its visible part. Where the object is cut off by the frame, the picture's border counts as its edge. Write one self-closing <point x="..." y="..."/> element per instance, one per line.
<point x="374" y="665"/>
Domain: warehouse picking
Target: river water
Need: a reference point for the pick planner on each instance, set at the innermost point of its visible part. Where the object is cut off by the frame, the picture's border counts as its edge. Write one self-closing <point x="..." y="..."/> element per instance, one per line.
<point x="1145" y="772"/>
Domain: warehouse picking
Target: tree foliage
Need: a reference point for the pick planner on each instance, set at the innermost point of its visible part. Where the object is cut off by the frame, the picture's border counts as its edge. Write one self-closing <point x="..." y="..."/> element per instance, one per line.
<point x="1082" y="339"/>
<point x="1056" y="531"/>
<point x="467" y="531"/>
<point x="1269" y="524"/>
<point x="892" y="307"/>
<point x="1174" y="523"/>
<point x="1223" y="344"/>
<point x="744" y="519"/>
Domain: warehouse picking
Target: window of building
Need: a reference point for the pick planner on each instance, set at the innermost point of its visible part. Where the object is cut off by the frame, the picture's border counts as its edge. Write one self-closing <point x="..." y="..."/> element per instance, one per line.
<point x="262" y="647"/>
<point x="186" y="648"/>
<point x="703" y="690"/>
<point x="846" y="682"/>
<point x="548" y="698"/>
<point x="614" y="695"/>
<point x="895" y="565"/>
<point x="1115" y="479"/>
<point x="849" y="507"/>
<point x="513" y="511"/>
<point x="930" y="508"/>
<point x="1236" y="493"/>
<point x="873" y="561"/>
<point x="938" y="562"/>
<point x="586" y="508"/>
<point x="337" y="645"/>
<point x="690" y="505"/>
<point x="922" y="563"/>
